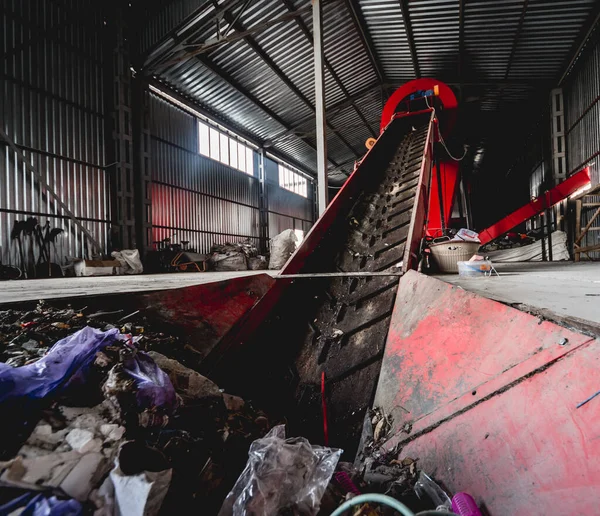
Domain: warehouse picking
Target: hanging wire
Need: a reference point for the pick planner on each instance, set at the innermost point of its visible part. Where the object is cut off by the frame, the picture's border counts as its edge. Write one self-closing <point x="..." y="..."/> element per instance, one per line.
<point x="442" y="138"/>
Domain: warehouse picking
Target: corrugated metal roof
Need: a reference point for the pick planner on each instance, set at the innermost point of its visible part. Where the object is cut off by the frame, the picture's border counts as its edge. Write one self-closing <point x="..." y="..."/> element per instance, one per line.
<point x="500" y="53"/>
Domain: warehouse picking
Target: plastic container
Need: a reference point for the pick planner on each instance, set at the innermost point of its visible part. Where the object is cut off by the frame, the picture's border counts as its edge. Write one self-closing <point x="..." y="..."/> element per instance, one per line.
<point x="446" y="254"/>
<point x="475" y="268"/>
<point x="464" y="505"/>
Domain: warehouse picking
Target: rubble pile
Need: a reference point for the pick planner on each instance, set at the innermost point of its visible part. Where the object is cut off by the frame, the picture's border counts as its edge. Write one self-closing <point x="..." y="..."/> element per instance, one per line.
<point x="99" y="415"/>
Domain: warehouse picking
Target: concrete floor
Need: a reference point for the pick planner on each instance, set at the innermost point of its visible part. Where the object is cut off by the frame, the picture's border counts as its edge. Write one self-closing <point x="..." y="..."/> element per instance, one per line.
<point x="563" y="289"/>
<point x="54" y="288"/>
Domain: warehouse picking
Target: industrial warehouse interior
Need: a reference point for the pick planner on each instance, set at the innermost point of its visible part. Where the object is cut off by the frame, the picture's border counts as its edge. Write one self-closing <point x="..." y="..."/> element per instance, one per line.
<point x="299" y="257"/>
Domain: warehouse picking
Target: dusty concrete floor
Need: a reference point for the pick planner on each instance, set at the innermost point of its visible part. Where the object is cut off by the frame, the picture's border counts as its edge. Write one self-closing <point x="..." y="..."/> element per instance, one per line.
<point x="565" y="288"/>
<point x="53" y="288"/>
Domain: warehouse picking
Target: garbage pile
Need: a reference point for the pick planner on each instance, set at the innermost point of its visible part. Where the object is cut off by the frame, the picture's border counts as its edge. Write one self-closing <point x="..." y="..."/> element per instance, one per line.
<point x="240" y="256"/>
<point x="96" y="420"/>
<point x="101" y="416"/>
<point x="28" y="334"/>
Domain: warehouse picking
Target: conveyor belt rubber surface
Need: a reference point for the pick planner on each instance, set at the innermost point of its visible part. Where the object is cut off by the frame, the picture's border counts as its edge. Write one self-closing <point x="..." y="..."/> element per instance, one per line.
<point x="340" y="325"/>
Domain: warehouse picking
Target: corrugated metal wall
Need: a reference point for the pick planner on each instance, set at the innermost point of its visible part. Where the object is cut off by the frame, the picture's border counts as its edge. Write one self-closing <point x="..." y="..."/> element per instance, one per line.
<point x="287" y="210"/>
<point x="51" y="106"/>
<point x="198" y="199"/>
<point x="582" y="94"/>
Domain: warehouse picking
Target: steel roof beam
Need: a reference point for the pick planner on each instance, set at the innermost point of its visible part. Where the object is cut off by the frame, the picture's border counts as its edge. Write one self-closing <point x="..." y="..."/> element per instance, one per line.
<point x="461" y="45"/>
<point x="191" y="28"/>
<point x="361" y="26"/>
<point x="513" y="50"/>
<point x="286" y="80"/>
<point x="585" y="33"/>
<point x="336" y="78"/>
<point x="333" y="108"/>
<point x="410" y="37"/>
<point x="517" y="37"/>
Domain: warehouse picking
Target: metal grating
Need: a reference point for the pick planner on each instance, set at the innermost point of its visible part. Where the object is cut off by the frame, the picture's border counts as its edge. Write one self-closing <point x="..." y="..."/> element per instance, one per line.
<point x="51" y="105"/>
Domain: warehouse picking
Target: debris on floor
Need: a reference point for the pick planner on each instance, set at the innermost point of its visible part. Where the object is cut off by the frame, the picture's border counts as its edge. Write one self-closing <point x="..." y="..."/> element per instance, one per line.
<point x="27" y="335"/>
<point x="240" y="256"/>
<point x="282" y="476"/>
<point x="527" y="249"/>
<point x="100" y="415"/>
<point x="282" y="246"/>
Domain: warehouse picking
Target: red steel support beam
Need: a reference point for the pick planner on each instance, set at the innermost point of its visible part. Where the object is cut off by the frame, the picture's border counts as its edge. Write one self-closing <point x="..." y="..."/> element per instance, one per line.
<point x="537" y="206"/>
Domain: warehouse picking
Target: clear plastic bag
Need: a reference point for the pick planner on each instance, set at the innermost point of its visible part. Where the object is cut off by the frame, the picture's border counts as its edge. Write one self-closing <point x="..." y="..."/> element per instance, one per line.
<point x="426" y="487"/>
<point x="281" y="476"/>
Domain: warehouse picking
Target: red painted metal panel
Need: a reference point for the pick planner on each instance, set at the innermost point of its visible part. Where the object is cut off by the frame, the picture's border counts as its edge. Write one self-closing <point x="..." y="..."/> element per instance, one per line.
<point x="446" y="96"/>
<point x="490" y="401"/>
<point x="449" y="173"/>
<point x="537" y="206"/>
<point x="528" y="450"/>
<point x="419" y="212"/>
<point x="208" y="311"/>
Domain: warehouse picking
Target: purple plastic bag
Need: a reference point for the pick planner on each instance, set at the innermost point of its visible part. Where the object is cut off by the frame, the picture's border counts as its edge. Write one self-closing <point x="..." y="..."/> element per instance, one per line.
<point x="42" y="504"/>
<point x="69" y="356"/>
<point x="153" y="385"/>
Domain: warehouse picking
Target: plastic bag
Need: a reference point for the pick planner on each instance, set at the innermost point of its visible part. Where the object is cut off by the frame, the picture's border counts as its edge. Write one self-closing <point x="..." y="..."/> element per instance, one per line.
<point x="234" y="261"/>
<point x="426" y="487"/>
<point x="141" y="389"/>
<point x="130" y="261"/>
<point x="467" y="235"/>
<point x="133" y="494"/>
<point x="282" y="247"/>
<point x="281" y="475"/>
<point x="257" y="263"/>
<point x="35" y="503"/>
<point x="68" y="357"/>
<point x="153" y="386"/>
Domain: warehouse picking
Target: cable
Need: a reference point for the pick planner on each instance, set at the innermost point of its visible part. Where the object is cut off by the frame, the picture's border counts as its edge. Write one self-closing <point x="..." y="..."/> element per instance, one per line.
<point x="433" y="512"/>
<point x="442" y="138"/>
<point x="375" y="498"/>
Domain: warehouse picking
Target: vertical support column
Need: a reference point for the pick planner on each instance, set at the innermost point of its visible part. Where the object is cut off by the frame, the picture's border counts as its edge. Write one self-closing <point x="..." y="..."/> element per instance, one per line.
<point x="320" y="106"/>
<point x="559" y="154"/>
<point x="578" y="207"/>
<point x="141" y="155"/>
<point x="263" y="203"/>
<point x="119" y="133"/>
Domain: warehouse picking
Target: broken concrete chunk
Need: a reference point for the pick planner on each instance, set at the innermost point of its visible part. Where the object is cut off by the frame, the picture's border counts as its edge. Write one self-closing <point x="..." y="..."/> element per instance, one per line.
<point x="43" y="436"/>
<point x="188" y="383"/>
<point x="30" y="345"/>
<point x="83" y="441"/>
<point x="233" y="403"/>
<point x="43" y="429"/>
<point x="91" y="421"/>
<point x="84" y="476"/>
<point x="48" y="470"/>
<point x="112" y="431"/>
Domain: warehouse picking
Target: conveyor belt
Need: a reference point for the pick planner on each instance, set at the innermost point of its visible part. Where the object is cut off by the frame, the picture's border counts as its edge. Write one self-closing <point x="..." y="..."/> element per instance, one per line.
<point x="339" y="325"/>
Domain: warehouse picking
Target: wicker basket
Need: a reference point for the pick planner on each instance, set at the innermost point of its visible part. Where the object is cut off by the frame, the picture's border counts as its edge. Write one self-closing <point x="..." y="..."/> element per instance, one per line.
<point x="446" y="255"/>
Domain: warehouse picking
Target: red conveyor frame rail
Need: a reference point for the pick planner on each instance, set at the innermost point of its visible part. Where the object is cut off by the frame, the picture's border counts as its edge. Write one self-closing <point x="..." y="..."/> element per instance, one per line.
<point x="531" y="209"/>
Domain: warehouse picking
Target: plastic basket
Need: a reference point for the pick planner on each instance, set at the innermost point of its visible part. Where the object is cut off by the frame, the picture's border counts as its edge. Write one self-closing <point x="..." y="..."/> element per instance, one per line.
<point x="446" y="255"/>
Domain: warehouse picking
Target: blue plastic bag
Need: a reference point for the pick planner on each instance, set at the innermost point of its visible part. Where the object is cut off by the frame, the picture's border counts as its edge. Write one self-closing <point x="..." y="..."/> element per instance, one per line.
<point x="51" y="373"/>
